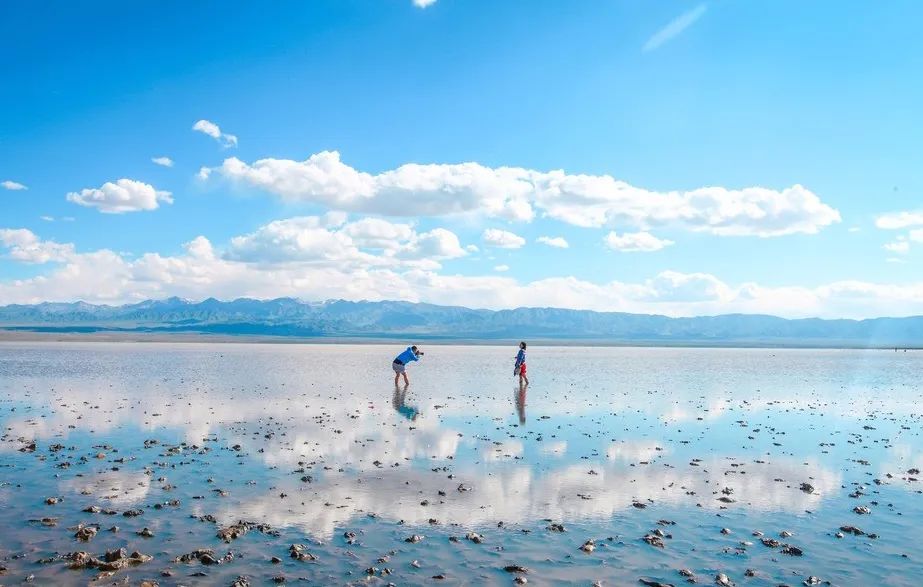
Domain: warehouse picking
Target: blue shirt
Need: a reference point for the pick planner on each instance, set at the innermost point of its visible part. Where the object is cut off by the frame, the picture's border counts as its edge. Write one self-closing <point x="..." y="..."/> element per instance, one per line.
<point x="407" y="356"/>
<point x="520" y="358"/>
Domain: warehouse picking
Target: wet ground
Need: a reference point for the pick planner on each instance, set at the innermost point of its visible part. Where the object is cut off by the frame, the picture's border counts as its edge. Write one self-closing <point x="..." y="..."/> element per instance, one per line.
<point x="212" y="464"/>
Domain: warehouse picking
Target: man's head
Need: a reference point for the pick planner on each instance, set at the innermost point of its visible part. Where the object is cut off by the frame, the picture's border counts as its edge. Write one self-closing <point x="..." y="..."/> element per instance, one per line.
<point x="416" y="351"/>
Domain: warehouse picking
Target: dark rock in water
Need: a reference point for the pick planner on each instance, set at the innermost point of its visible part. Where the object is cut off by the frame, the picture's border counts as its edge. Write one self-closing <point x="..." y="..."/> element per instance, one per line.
<point x="279" y="579"/>
<point x="807" y="488"/>
<point x="275" y="560"/>
<point x="792" y="550"/>
<point x="350" y="537"/>
<point x="556" y="527"/>
<point x="686" y="573"/>
<point x="771" y="542"/>
<point x="86" y="533"/>
<point x="862" y="510"/>
<point x="235" y="531"/>
<point x="812" y="580"/>
<point x="414" y="538"/>
<point x="515" y="569"/>
<point x="653" y="583"/>
<point x="852" y="530"/>
<point x="132" y="513"/>
<point x="474" y="537"/>
<point x="588" y="546"/>
<point x="146" y="533"/>
<point x="241" y="582"/>
<point x="723" y="580"/>
<point x="749" y="573"/>
<point x="300" y="552"/>
<point x="638" y="505"/>
<point x="114" y="555"/>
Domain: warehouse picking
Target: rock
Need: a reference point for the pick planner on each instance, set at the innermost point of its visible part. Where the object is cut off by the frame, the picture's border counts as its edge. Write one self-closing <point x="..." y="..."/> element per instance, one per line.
<point x="652" y="583"/>
<point x="241" y="582"/>
<point x="557" y="527"/>
<point x="812" y="580"/>
<point x="300" y="552"/>
<point x="515" y="569"/>
<point x="792" y="550"/>
<point x="414" y="539"/>
<point x="771" y="542"/>
<point x="588" y="546"/>
<point x="86" y="533"/>
<point x="132" y="513"/>
<point x="852" y="530"/>
<point x="654" y="540"/>
<point x="862" y="510"/>
<point x="146" y="533"/>
<point x="474" y="537"/>
<point x="725" y="530"/>
<point x="807" y="488"/>
<point x="723" y="580"/>
<point x="52" y="500"/>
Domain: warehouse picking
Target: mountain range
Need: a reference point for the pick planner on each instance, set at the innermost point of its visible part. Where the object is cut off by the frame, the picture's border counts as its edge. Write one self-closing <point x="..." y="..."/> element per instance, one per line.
<point x="288" y="317"/>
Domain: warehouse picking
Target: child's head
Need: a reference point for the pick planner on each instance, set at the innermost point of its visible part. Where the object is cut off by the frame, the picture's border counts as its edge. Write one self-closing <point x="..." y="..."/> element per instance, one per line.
<point x="522" y="345"/>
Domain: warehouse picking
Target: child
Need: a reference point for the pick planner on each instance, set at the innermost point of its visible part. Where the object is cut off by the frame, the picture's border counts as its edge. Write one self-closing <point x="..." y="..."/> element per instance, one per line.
<point x="520" y="367"/>
<point x="400" y="363"/>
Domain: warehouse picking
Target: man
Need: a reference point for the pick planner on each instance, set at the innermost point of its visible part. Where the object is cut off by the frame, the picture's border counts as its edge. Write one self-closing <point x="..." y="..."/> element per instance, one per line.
<point x="401" y="361"/>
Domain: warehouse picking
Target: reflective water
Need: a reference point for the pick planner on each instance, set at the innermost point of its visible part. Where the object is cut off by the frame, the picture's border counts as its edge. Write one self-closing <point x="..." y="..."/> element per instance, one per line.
<point x="315" y="442"/>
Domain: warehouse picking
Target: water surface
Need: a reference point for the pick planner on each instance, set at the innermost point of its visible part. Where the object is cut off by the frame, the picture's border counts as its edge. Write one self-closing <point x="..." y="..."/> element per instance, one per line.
<point x="706" y="446"/>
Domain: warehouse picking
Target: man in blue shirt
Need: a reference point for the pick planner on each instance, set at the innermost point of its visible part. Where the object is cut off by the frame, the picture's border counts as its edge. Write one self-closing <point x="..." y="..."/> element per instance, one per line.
<point x="402" y="360"/>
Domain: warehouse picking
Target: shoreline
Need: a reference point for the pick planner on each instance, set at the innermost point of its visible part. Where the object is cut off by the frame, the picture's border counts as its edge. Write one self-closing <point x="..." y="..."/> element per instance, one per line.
<point x="25" y="336"/>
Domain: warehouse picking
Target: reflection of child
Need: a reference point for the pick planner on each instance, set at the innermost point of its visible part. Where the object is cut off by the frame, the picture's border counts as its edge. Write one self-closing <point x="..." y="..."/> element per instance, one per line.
<point x="520" y="367"/>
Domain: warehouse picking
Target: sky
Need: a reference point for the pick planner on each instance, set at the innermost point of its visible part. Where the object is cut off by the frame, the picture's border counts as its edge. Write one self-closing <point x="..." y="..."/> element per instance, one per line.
<point x="671" y="157"/>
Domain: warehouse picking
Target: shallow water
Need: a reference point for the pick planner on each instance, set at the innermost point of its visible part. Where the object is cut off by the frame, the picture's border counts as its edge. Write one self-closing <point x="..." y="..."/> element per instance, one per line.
<point x="313" y="441"/>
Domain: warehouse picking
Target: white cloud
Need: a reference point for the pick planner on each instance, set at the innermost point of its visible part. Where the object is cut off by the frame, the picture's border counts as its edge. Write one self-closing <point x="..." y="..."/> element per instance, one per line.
<point x="557" y="242"/>
<point x="214" y="131"/>
<point x="327" y="240"/>
<point x="515" y="193"/>
<point x="12" y="185"/>
<point x="674" y="27"/>
<point x="23" y="245"/>
<point x="502" y="268"/>
<point x="47" y="218"/>
<point x="125" y="195"/>
<point x="423" y="3"/>
<point x="900" y="246"/>
<point x="503" y="239"/>
<point x="162" y="161"/>
<point x="898" y="220"/>
<point x="323" y="262"/>
<point x="635" y="242"/>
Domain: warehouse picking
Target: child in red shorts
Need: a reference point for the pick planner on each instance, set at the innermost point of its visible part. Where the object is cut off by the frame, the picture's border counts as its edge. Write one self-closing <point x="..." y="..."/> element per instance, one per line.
<point x="520" y="367"/>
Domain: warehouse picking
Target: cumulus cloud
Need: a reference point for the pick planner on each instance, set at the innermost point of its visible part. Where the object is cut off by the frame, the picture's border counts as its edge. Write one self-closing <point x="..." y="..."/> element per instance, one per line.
<point x="503" y="239"/>
<point x="674" y="28"/>
<point x="900" y="245"/>
<point x="518" y="194"/>
<point x="125" y="195"/>
<point x="635" y="242"/>
<point x="214" y="131"/>
<point x="329" y="240"/>
<point x="323" y="261"/>
<point x="899" y="220"/>
<point x="162" y="161"/>
<point x="423" y="3"/>
<point x="23" y="245"/>
<point x="502" y="268"/>
<point x="557" y="242"/>
<point x="12" y="185"/>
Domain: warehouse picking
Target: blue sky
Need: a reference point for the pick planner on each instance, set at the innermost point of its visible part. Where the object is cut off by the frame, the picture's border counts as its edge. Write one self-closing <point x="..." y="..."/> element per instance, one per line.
<point x="696" y="157"/>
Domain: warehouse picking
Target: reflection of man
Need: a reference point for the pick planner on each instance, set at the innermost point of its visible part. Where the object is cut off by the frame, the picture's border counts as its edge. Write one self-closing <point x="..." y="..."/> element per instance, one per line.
<point x="520" y="395"/>
<point x="400" y="395"/>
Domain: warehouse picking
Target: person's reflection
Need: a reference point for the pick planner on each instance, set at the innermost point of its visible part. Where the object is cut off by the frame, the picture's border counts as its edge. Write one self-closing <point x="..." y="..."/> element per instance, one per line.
<point x="520" y="395"/>
<point x="398" y="401"/>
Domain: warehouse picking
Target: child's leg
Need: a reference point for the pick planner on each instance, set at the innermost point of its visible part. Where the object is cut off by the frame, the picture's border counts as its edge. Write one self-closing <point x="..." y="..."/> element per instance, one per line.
<point x="406" y="381"/>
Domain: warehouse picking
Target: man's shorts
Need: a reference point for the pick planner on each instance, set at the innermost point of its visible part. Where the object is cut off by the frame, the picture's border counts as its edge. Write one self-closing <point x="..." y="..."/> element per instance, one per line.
<point x="398" y="367"/>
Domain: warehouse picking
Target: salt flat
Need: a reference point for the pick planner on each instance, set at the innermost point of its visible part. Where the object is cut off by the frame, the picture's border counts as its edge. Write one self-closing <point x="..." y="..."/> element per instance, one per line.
<point x="767" y="466"/>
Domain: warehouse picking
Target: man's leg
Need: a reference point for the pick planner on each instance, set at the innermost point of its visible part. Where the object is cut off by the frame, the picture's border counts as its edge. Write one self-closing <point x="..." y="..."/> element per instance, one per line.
<point x="406" y="381"/>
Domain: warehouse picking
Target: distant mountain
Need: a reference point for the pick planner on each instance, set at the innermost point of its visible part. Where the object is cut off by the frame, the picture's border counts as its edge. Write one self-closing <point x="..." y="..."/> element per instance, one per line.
<point x="339" y="318"/>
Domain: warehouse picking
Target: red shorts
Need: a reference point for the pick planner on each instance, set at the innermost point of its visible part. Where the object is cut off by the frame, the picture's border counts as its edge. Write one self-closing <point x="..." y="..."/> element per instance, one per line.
<point x="522" y="369"/>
